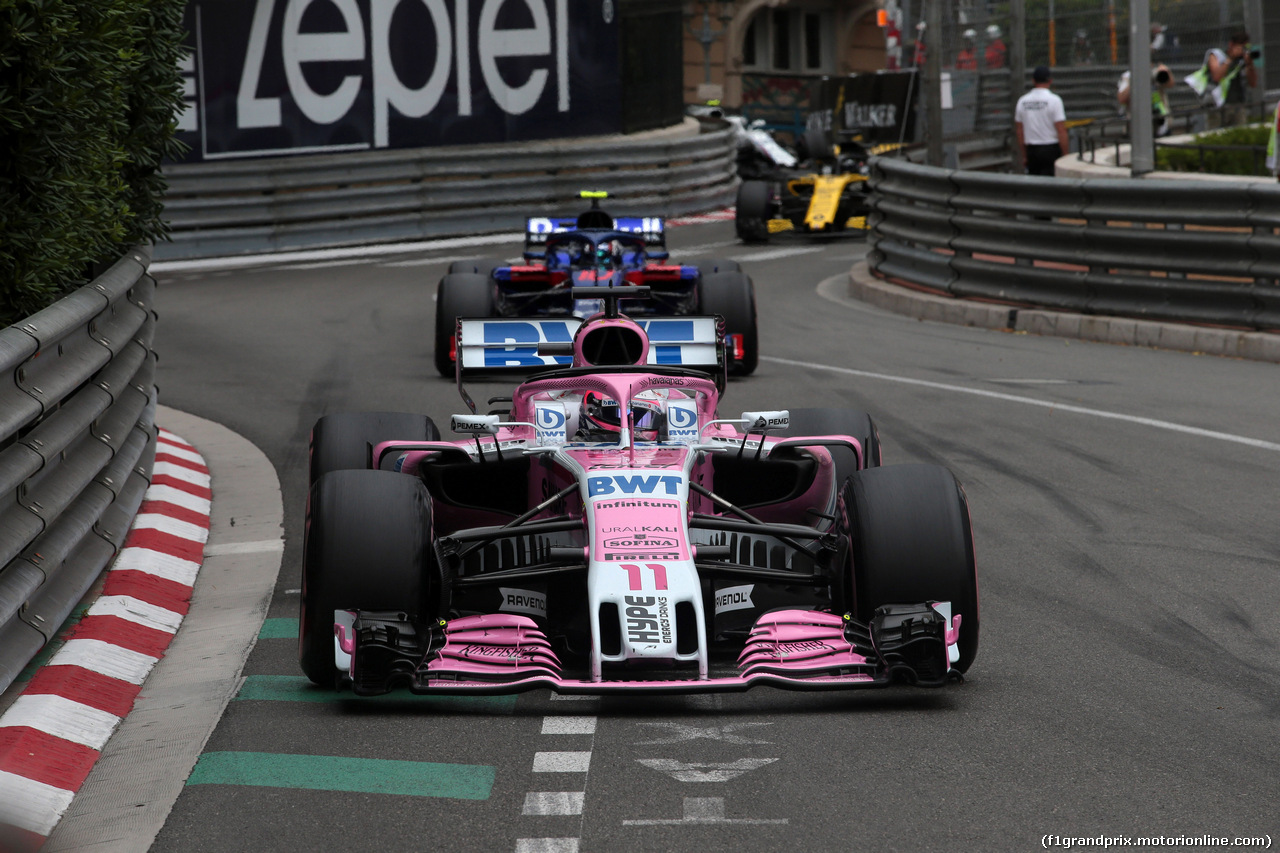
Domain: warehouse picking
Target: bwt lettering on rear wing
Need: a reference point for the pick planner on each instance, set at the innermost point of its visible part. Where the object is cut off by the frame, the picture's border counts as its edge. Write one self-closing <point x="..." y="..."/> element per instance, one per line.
<point x="506" y="346"/>
<point x="538" y="228"/>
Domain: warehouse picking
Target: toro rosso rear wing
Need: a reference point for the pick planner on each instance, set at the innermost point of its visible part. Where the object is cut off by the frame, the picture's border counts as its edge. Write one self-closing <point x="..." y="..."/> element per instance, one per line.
<point x="503" y="347"/>
<point x="651" y="228"/>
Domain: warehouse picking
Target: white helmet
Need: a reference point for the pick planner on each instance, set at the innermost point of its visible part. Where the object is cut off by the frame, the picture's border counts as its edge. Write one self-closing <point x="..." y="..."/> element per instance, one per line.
<point x="970" y="34"/>
<point x="921" y="25"/>
<point x="993" y="32"/>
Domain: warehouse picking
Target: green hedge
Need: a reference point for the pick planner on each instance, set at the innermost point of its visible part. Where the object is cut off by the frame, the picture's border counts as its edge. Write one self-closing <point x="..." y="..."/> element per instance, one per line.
<point x="1219" y="162"/>
<point x="89" y="95"/>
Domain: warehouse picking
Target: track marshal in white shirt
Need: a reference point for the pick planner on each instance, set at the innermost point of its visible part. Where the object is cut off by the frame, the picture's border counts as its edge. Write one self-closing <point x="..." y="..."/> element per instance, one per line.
<point x="1042" y="129"/>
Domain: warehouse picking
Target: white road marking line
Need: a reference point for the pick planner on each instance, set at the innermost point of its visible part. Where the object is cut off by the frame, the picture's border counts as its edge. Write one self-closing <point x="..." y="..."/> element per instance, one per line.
<point x="155" y="563"/>
<point x="568" y="725"/>
<point x="61" y="717"/>
<point x="172" y="526"/>
<point x="775" y="254"/>
<point x="1045" y="404"/>
<point x="546" y="845"/>
<point x="704" y="811"/>
<point x="31" y="805"/>
<point x="105" y="658"/>
<point x="177" y="497"/>
<point x="293" y="592"/>
<point x="561" y="762"/>
<point x="376" y="251"/>
<point x="262" y="546"/>
<point x="704" y="772"/>
<point x="137" y="611"/>
<point x="553" y="802"/>
<point x="320" y="265"/>
<point x="1033" y="381"/>
<point x="704" y="247"/>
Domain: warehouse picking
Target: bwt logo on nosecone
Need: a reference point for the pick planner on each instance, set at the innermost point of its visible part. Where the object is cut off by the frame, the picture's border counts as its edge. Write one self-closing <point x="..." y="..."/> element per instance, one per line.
<point x="634" y="484"/>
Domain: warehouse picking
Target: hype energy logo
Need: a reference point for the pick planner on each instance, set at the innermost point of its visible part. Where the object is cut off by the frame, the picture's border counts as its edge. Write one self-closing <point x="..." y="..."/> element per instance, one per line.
<point x="619" y="485"/>
<point x="682" y="421"/>
<point x="550" y="421"/>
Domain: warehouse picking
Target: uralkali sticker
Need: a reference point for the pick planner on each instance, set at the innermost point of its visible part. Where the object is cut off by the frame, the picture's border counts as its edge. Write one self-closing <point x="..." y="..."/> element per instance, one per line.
<point x="523" y="601"/>
<point x="644" y="529"/>
<point x="734" y="598"/>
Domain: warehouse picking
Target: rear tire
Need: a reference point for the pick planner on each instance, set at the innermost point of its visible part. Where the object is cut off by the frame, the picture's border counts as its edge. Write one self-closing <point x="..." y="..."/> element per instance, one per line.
<point x="476" y="266"/>
<point x="341" y="441"/>
<point x="459" y="295"/>
<point x="751" y="214"/>
<point x="733" y="296"/>
<point x="832" y="421"/>
<point x="367" y="547"/>
<point x="912" y="542"/>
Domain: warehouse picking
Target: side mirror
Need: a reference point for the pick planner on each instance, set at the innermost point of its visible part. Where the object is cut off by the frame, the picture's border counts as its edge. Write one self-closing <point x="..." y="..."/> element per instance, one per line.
<point x="766" y="421"/>
<point x="474" y="424"/>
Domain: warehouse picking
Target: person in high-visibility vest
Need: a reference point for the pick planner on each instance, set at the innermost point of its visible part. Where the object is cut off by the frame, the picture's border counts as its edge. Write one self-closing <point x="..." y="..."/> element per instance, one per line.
<point x="1224" y="79"/>
<point x="1161" y="82"/>
<point x="1273" y="151"/>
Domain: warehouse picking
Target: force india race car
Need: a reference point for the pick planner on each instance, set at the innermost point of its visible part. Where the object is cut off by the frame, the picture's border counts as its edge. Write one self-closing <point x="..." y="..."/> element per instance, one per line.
<point x="831" y="198"/>
<point x="591" y="249"/>
<point x="617" y="533"/>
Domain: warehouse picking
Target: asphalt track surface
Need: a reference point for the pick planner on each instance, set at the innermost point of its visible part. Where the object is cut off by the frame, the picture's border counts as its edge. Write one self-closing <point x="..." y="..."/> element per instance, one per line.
<point x="1125" y="517"/>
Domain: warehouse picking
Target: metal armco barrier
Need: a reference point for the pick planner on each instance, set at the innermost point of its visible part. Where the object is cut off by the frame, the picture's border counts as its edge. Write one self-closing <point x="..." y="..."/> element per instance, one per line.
<point x="245" y="207"/>
<point x="77" y="428"/>
<point x="1178" y="251"/>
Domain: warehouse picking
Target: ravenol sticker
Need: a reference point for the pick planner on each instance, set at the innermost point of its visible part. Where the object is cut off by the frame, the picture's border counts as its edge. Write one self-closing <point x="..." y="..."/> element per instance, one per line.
<point x="523" y="601"/>
<point x="682" y="421"/>
<point x="734" y="598"/>
<point x="550" y="421"/>
<point x="616" y="485"/>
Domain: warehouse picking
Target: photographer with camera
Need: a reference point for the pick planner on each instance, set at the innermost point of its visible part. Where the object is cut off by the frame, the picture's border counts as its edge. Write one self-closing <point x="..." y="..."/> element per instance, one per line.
<point x="1225" y="79"/>
<point x="1161" y="83"/>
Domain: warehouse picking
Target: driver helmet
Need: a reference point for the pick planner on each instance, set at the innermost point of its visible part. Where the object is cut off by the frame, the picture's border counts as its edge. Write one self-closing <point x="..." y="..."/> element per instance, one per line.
<point x="600" y="414"/>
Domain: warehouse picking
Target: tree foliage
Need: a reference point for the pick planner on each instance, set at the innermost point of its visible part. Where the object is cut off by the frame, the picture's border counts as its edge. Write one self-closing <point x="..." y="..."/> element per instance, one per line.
<point x="89" y="95"/>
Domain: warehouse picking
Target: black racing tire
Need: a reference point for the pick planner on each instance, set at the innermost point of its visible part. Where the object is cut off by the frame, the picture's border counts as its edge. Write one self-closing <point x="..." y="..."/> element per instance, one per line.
<point x="459" y="295"/>
<point x="367" y="547"/>
<point x="732" y="295"/>
<point x="476" y="266"/>
<point x="751" y="213"/>
<point x="831" y="421"/>
<point x="912" y="542"/>
<point x="707" y="267"/>
<point x="817" y="144"/>
<point x="341" y="441"/>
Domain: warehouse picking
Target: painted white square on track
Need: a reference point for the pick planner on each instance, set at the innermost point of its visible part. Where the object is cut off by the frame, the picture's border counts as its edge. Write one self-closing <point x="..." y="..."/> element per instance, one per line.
<point x="568" y="725"/>
<point x="546" y="845"/>
<point x="165" y="566"/>
<point x="97" y="656"/>
<point x="31" y="805"/>
<point x="62" y="718"/>
<point x="139" y="612"/>
<point x="180" y="451"/>
<point x="553" y="802"/>
<point x="561" y="762"/>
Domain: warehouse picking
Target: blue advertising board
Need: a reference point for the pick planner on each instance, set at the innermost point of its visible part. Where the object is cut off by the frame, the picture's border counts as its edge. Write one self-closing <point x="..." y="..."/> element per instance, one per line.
<point x="278" y="77"/>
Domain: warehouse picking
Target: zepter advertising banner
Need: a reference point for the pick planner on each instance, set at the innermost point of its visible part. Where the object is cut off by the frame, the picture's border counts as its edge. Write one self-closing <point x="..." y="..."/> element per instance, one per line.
<point x="273" y="77"/>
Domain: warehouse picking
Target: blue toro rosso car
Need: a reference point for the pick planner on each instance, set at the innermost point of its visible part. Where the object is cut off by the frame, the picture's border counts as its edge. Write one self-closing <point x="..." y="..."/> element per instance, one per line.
<point x="596" y="249"/>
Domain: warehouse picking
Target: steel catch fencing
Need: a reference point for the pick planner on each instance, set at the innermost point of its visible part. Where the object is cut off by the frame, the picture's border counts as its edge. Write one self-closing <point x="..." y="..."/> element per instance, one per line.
<point x="1194" y="252"/>
<point x="77" y="443"/>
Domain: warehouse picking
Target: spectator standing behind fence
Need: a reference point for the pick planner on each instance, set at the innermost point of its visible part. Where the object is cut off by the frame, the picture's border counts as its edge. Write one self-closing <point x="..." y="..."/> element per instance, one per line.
<point x="1273" y="151"/>
<point x="967" y="58"/>
<point x="1042" y="125"/>
<point x="1082" y="50"/>
<point x="996" y="52"/>
<point x="1161" y="83"/>
<point x="1224" y="80"/>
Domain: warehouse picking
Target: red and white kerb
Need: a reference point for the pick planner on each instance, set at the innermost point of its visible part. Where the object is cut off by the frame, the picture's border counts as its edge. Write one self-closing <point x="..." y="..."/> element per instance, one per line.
<point x="53" y="733"/>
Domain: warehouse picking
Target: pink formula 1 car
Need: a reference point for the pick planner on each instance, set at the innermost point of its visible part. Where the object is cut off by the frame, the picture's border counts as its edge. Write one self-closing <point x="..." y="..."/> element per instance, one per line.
<point x="614" y="532"/>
